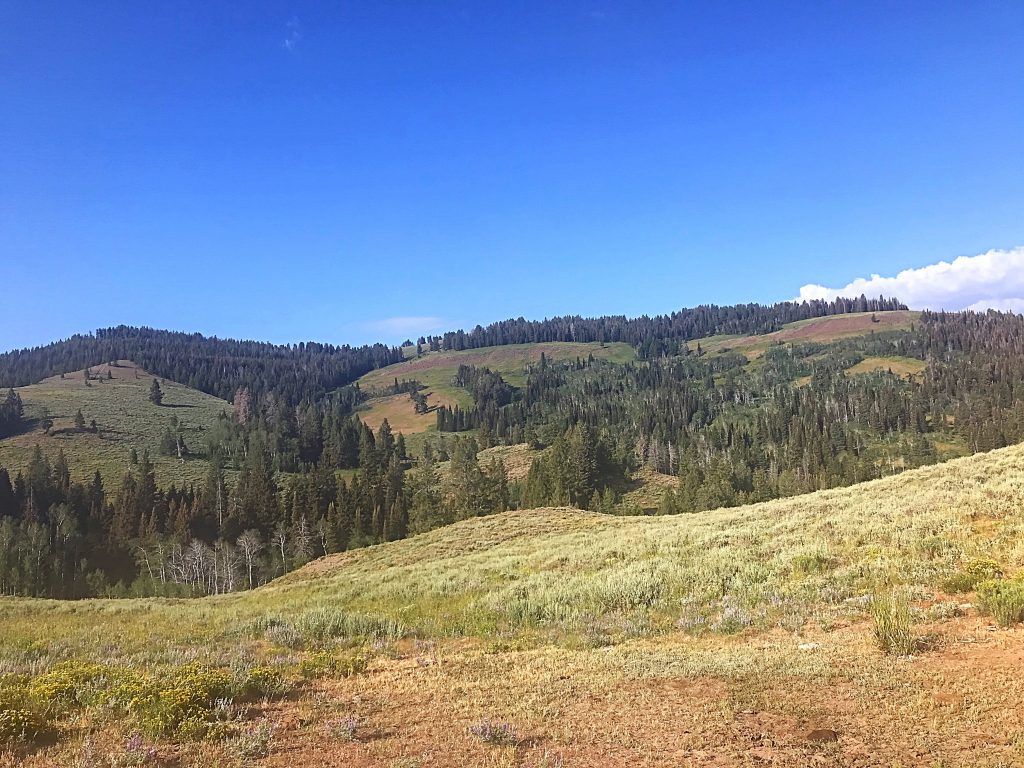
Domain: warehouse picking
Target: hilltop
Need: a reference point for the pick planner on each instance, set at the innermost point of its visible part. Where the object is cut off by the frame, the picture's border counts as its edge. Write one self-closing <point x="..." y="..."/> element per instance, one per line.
<point x="116" y="397"/>
<point x="721" y="637"/>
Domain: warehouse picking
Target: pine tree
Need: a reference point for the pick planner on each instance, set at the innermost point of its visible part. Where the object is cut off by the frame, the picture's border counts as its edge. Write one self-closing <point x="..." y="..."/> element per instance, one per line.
<point x="156" y="395"/>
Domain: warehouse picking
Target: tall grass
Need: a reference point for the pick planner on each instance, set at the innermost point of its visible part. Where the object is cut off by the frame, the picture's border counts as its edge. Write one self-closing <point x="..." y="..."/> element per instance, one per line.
<point x="893" y="628"/>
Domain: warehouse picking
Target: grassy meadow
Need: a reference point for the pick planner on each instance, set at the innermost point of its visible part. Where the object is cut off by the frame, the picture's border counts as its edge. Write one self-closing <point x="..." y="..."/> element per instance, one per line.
<point x="819" y="329"/>
<point x="771" y="633"/>
<point x="117" y="398"/>
<point x="436" y="369"/>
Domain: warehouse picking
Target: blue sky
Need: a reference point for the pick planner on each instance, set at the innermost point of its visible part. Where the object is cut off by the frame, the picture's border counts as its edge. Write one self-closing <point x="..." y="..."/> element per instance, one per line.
<point x="353" y="171"/>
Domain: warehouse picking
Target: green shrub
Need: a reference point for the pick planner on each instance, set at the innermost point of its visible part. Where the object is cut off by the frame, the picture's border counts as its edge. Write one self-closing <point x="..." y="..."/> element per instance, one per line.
<point x="1004" y="599"/>
<point x="22" y="725"/>
<point x="327" y="664"/>
<point x="812" y="563"/>
<point x="263" y="682"/>
<point x="893" y="632"/>
<point x="20" y="720"/>
<point x="67" y="686"/>
<point x="254" y="742"/>
<point x="971" y="575"/>
<point x="184" y="706"/>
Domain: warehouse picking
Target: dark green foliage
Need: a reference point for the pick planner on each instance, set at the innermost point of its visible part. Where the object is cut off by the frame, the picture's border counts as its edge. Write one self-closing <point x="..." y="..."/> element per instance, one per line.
<point x="216" y="366"/>
<point x="156" y="395"/>
<point x="576" y="471"/>
<point x="11" y="413"/>
<point x="661" y="335"/>
<point x="732" y="431"/>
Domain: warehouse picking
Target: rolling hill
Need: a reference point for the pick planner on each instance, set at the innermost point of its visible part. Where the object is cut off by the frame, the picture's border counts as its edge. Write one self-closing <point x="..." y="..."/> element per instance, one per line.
<point x="559" y="637"/>
<point x="435" y="371"/>
<point x="117" y="398"/>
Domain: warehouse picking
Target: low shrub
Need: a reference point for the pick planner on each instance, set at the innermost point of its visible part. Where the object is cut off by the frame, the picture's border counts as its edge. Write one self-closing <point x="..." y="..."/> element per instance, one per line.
<point x="971" y="575"/>
<point x="67" y="686"/>
<point x="500" y="734"/>
<point x="1004" y="599"/>
<point x="254" y="742"/>
<point x="21" y="721"/>
<point x="263" y="682"/>
<point x="184" y="706"/>
<point x="343" y="729"/>
<point x="135" y="755"/>
<point x="328" y="664"/>
<point x="813" y="563"/>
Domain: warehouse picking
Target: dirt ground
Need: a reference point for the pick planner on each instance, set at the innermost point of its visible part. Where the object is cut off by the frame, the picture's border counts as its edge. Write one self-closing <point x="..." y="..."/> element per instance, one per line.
<point x="957" y="705"/>
<point x="775" y="699"/>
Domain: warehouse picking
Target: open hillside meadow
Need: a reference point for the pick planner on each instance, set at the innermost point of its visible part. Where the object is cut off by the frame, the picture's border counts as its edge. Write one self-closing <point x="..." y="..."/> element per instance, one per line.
<point x="116" y="397"/>
<point x="434" y="370"/>
<point x="875" y="625"/>
<point x="819" y="329"/>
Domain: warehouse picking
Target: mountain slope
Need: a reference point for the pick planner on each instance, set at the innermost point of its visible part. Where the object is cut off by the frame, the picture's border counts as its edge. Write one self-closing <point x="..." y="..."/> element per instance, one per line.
<point x="117" y="398"/>
<point x="819" y="329"/>
<point x="737" y="634"/>
<point x="434" y="370"/>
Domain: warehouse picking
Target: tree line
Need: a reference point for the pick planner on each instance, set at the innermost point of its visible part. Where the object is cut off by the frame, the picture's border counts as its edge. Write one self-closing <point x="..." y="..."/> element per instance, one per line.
<point x="61" y="538"/>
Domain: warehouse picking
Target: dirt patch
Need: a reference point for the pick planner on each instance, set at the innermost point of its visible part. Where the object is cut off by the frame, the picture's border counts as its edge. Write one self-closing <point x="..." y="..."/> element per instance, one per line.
<point x="567" y="709"/>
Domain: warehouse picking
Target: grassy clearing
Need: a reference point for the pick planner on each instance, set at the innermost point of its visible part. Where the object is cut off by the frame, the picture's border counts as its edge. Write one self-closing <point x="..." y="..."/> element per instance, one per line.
<point x="124" y="417"/>
<point x="901" y="366"/>
<point x="819" y="329"/>
<point x="436" y="369"/>
<point x="558" y="574"/>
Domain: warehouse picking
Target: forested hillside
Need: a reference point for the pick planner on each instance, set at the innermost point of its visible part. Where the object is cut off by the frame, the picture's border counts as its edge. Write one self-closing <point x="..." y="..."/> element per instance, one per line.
<point x="287" y="477"/>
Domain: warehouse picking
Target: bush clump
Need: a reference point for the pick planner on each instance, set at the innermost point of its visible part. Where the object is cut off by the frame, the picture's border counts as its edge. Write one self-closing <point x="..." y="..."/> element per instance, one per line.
<point x="184" y="706"/>
<point x="971" y="575"/>
<point x="1004" y="599"/>
<point x="499" y="734"/>
<point x="327" y="664"/>
<point x="263" y="682"/>
<point x="21" y="721"/>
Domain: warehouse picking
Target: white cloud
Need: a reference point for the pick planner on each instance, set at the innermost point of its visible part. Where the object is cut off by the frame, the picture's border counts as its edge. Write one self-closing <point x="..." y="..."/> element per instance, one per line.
<point x="990" y="280"/>
<point x="403" y="327"/>
<point x="292" y="34"/>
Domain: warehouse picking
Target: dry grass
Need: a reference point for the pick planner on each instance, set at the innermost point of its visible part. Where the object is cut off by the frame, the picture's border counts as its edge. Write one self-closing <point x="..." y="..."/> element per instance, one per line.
<point x="647" y="488"/>
<point x="401" y="414"/>
<point x="723" y="638"/>
<point x="819" y="329"/>
<point x="901" y="366"/>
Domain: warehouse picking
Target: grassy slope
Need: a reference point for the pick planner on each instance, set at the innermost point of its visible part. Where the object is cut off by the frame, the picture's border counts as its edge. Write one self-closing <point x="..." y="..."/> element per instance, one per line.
<point x="125" y="419"/>
<point x="914" y="528"/>
<point x="572" y="627"/>
<point x="901" y="366"/>
<point x="436" y="369"/>
<point x="819" y="329"/>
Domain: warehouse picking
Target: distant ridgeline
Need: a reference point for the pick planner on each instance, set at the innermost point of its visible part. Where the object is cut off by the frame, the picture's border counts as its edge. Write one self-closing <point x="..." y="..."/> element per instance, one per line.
<point x="294" y="472"/>
<point x="308" y="370"/>
<point x="219" y="367"/>
<point x="660" y="334"/>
